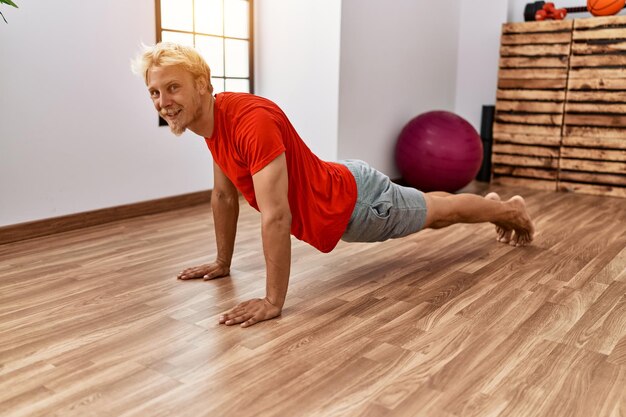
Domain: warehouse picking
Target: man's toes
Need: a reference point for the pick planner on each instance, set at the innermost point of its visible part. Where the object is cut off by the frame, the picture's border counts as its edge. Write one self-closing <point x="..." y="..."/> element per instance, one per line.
<point x="528" y="239"/>
<point x="520" y="239"/>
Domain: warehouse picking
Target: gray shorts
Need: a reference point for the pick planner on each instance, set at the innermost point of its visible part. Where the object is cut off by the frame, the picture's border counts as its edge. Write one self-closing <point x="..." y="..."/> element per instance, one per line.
<point x="383" y="210"/>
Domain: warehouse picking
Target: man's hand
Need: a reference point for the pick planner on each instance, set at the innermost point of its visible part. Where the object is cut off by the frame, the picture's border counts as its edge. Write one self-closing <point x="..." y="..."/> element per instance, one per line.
<point x="250" y="312"/>
<point x="206" y="271"/>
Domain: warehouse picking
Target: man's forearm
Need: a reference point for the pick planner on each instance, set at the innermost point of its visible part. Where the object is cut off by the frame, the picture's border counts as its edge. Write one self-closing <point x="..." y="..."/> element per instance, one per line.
<point x="225" y="215"/>
<point x="277" y="250"/>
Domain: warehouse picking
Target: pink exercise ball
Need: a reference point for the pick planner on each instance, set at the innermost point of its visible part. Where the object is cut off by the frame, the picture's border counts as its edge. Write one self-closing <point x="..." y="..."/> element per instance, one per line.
<point x="439" y="151"/>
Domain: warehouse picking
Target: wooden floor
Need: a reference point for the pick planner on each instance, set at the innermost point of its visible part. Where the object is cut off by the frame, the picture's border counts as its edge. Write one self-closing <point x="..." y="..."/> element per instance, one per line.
<point x="442" y="323"/>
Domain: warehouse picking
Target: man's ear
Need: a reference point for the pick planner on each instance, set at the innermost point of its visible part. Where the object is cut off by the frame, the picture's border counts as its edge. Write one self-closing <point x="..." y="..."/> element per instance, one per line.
<point x="201" y="85"/>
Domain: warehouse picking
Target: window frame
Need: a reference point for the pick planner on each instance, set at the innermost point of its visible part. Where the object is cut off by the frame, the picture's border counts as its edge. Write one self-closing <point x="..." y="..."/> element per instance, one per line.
<point x="250" y="39"/>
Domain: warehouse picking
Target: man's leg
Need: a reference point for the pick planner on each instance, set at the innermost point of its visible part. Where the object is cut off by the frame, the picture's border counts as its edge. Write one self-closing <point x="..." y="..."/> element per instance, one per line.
<point x="510" y="217"/>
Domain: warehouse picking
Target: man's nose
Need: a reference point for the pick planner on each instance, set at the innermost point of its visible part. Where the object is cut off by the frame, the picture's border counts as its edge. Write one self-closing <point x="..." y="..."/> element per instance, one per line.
<point x="164" y="101"/>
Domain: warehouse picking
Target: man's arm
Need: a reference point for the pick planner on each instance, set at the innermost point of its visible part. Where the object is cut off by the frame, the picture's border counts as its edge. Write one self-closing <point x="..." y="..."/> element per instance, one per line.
<point x="271" y="190"/>
<point x="225" y="207"/>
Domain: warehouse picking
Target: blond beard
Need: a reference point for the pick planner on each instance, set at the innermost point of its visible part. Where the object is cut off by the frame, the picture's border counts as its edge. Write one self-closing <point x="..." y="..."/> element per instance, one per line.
<point x="178" y="130"/>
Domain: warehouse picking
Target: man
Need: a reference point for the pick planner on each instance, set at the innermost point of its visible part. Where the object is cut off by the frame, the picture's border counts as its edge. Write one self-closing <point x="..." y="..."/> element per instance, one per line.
<point x="257" y="151"/>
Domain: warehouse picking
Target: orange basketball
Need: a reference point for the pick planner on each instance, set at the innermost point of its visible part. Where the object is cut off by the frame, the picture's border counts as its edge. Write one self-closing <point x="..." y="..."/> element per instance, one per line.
<point x="605" y="7"/>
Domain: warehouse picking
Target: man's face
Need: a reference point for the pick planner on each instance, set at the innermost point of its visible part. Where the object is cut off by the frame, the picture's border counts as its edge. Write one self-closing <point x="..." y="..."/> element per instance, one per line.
<point x="175" y="96"/>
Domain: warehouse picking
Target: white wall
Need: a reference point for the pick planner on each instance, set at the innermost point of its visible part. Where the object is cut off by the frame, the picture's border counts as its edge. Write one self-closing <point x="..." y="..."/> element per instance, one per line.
<point x="297" y="66"/>
<point x="398" y="59"/>
<point x="78" y="131"/>
<point x="479" y="50"/>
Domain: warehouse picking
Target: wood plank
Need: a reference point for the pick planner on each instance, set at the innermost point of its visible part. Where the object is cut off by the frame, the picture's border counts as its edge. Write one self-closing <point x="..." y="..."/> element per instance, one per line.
<point x="556" y="85"/>
<point x="535" y="38"/>
<point x="511" y="171"/>
<point x="535" y="50"/>
<point x="603" y="190"/>
<point x="597" y="73"/>
<point x="527" y="130"/>
<point x="29" y="230"/>
<point x="594" y="142"/>
<point x="593" y="178"/>
<point x="598" y="22"/>
<point x="530" y="106"/>
<point x="597" y="60"/>
<point x="534" y="62"/>
<point x="597" y="96"/>
<point x="593" y="166"/>
<point x="595" y="108"/>
<point x="552" y="95"/>
<point x="596" y="154"/>
<point x="594" y="132"/>
<point x="525" y="161"/>
<point x="526" y="150"/>
<point x="538" y="27"/>
<point x="583" y="48"/>
<point x="601" y="120"/>
<point x="604" y="33"/>
<point x="527" y="139"/>
<point x="531" y="119"/>
<point x="556" y="74"/>
<point x="597" y="84"/>
<point x="524" y="182"/>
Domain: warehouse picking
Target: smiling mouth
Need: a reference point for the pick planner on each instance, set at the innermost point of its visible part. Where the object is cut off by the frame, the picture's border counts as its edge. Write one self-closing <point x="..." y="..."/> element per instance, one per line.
<point x="170" y="114"/>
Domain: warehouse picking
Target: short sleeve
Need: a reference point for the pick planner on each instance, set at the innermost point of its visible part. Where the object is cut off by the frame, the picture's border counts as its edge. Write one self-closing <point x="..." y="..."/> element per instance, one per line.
<point x="259" y="139"/>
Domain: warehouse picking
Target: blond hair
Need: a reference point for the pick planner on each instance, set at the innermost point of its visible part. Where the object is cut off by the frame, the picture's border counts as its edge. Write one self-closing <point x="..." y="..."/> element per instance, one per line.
<point x="165" y="54"/>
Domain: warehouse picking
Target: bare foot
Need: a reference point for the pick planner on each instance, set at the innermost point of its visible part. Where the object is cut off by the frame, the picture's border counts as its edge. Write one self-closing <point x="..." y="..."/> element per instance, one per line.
<point x="516" y="228"/>
<point x="520" y="222"/>
<point x="504" y="235"/>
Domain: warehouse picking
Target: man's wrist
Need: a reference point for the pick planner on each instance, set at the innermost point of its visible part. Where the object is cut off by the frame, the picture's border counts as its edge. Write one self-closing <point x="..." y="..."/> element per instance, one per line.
<point x="222" y="262"/>
<point x="275" y="301"/>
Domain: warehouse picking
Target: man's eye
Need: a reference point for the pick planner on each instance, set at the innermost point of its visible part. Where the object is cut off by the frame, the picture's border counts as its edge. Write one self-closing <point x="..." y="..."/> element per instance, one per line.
<point x="173" y="87"/>
<point x="154" y="93"/>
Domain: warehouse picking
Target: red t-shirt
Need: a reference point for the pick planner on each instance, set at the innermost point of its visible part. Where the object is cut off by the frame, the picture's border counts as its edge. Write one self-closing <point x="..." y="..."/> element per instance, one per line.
<point x="249" y="133"/>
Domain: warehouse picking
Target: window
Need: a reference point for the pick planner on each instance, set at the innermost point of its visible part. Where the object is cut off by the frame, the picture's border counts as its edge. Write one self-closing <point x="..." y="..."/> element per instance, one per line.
<point x="221" y="31"/>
